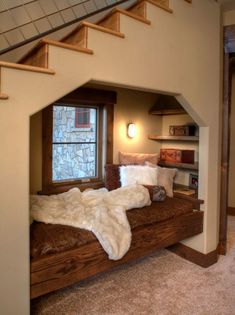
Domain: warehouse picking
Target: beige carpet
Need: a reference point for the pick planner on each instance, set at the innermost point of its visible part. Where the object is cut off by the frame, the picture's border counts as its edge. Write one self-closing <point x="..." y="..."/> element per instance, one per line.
<point x="162" y="284"/>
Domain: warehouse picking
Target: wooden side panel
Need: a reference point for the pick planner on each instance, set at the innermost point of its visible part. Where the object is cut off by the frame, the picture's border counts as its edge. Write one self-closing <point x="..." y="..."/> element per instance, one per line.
<point x="37" y="57"/>
<point x="139" y="9"/>
<point x="78" y="38"/>
<point x="112" y="22"/>
<point x="58" y="271"/>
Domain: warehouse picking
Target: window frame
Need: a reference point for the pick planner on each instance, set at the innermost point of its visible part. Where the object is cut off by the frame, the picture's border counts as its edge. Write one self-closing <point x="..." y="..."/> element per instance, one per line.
<point x="104" y="101"/>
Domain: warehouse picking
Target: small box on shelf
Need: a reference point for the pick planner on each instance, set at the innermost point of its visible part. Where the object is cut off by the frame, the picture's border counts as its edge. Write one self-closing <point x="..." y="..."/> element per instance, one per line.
<point x="177" y="156"/>
<point x="184" y="130"/>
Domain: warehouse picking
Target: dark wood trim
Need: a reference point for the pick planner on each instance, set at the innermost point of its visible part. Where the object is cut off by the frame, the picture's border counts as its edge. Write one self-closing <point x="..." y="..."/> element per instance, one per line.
<point x="203" y="260"/>
<point x="105" y="101"/>
<point x="229" y="50"/>
<point x="110" y="124"/>
<point x="224" y="159"/>
<point x="52" y="272"/>
<point x="90" y="96"/>
<point x="231" y="211"/>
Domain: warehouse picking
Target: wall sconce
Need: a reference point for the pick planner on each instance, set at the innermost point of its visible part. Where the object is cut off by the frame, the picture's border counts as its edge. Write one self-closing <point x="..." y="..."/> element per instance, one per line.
<point x="131" y="130"/>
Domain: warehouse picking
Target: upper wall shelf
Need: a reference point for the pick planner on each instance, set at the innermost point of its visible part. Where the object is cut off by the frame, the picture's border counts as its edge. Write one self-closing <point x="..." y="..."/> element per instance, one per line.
<point x="167" y="105"/>
<point x="174" y="138"/>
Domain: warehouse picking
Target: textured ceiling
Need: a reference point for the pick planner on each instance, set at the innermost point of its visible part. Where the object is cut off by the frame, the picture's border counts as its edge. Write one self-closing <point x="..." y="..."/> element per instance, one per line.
<point x="24" y="20"/>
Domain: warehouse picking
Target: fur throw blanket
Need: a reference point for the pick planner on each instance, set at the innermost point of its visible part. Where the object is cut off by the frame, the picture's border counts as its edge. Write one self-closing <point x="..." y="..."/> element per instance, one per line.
<point x="99" y="211"/>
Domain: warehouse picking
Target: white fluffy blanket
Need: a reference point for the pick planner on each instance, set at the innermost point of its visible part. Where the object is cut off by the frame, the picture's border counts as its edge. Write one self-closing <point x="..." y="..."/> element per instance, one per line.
<point x="99" y="211"/>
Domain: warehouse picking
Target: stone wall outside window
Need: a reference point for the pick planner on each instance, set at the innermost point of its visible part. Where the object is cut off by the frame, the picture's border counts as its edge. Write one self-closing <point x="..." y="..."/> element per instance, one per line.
<point x="73" y="160"/>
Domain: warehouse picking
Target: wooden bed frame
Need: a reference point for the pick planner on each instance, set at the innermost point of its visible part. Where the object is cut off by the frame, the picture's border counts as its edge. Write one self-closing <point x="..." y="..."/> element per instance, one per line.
<point x="53" y="272"/>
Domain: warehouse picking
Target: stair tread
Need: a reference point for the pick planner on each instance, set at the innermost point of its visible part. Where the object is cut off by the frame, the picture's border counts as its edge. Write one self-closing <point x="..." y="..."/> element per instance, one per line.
<point x="94" y="26"/>
<point x="3" y="96"/>
<point x="25" y="67"/>
<point x="67" y="46"/>
<point x="103" y="29"/>
<point x="127" y="13"/>
<point x="44" y="41"/>
<point x="160" y="5"/>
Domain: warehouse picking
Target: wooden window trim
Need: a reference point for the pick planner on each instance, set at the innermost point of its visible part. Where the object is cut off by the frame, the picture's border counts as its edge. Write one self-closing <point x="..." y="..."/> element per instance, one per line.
<point x="105" y="101"/>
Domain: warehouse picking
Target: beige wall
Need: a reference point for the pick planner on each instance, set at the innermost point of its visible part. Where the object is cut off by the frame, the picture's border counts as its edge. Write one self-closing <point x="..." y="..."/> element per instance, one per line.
<point x="229" y="17"/>
<point x="172" y="54"/>
<point x="231" y="194"/>
<point x="35" y="172"/>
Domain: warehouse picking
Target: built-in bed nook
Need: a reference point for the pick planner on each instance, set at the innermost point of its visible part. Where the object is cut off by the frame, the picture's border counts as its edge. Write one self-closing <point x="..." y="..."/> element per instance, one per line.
<point x="136" y="206"/>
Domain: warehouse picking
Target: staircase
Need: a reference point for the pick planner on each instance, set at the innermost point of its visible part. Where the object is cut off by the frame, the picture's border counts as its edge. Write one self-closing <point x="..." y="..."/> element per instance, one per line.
<point x="39" y="59"/>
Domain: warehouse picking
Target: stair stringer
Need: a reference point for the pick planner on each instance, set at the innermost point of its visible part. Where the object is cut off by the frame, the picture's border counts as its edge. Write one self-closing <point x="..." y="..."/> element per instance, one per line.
<point x="125" y="68"/>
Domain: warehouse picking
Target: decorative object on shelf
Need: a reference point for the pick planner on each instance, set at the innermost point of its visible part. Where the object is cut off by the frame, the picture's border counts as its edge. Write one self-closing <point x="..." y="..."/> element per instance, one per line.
<point x="184" y="130"/>
<point x="193" y="181"/>
<point x="185" y="191"/>
<point x="131" y="130"/>
<point x="177" y="155"/>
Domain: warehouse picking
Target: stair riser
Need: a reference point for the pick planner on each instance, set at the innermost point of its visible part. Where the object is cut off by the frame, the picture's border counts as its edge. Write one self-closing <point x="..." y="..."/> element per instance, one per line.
<point x="112" y="22"/>
<point x="38" y="57"/>
<point x="139" y="9"/>
<point x="78" y="38"/>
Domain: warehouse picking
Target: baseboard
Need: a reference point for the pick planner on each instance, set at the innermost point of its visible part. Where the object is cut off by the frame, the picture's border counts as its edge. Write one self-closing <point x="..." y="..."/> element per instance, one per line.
<point x="231" y="211"/>
<point x="203" y="260"/>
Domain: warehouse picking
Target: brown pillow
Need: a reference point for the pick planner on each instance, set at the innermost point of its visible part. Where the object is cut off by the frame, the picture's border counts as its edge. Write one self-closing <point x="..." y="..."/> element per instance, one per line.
<point x="138" y="158"/>
<point x="157" y="193"/>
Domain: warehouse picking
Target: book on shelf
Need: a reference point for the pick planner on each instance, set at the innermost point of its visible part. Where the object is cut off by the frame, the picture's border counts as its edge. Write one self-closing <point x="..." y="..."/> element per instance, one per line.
<point x="185" y="191"/>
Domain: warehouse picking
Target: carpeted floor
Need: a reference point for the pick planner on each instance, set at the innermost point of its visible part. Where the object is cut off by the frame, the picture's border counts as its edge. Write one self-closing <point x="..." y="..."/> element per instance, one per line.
<point x="162" y="284"/>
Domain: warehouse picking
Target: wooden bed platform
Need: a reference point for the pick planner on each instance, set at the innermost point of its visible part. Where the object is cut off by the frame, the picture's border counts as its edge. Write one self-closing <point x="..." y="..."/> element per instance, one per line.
<point x="55" y="271"/>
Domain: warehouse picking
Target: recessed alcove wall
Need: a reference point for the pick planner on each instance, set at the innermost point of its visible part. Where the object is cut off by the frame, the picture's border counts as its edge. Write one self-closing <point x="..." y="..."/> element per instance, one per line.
<point x="132" y="106"/>
<point x="182" y="176"/>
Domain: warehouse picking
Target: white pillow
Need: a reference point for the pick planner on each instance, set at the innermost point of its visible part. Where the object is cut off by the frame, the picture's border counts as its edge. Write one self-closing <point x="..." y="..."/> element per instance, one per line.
<point x="138" y="174"/>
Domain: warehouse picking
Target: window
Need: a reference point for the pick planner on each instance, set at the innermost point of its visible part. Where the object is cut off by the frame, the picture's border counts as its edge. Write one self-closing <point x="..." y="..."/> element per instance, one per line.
<point x="77" y="140"/>
<point x="74" y="152"/>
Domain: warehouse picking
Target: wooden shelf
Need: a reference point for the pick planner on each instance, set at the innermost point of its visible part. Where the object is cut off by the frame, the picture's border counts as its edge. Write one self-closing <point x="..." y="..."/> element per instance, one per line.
<point x="167" y="105"/>
<point x="173" y="138"/>
<point x="169" y="111"/>
<point x="185" y="166"/>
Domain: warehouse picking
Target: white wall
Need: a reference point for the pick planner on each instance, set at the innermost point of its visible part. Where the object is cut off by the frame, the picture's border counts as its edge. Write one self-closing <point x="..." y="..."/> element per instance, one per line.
<point x="173" y="54"/>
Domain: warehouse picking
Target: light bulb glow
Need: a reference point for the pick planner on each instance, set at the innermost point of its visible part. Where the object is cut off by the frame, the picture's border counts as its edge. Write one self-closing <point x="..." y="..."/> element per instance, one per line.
<point x="131" y="130"/>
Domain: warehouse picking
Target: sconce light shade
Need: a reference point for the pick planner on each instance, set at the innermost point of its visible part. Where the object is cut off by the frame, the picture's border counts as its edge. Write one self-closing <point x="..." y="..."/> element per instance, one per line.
<point x="131" y="130"/>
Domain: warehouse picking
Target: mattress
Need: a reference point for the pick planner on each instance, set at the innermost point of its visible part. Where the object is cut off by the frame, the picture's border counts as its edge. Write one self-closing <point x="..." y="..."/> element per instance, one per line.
<point x="46" y="239"/>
